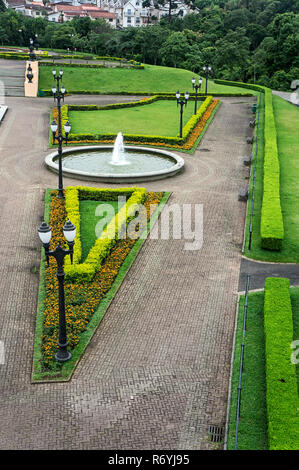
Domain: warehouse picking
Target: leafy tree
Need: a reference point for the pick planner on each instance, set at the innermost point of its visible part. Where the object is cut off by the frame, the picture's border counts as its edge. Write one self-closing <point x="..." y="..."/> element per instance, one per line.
<point x="2" y="6"/>
<point x="175" y="49"/>
<point x="233" y="51"/>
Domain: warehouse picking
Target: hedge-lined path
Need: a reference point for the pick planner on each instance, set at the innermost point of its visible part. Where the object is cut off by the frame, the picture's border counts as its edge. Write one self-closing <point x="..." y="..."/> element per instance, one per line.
<point x="157" y="370"/>
<point x="12" y="77"/>
<point x="259" y="271"/>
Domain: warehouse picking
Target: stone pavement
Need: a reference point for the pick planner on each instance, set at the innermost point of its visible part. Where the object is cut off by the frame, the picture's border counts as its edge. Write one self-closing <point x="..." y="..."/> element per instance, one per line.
<point x="156" y="372"/>
<point x="12" y="76"/>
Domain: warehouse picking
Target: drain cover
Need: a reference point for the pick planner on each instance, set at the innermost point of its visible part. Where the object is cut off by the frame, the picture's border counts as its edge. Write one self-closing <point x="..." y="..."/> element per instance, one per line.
<point x="216" y="433"/>
<point x="204" y="150"/>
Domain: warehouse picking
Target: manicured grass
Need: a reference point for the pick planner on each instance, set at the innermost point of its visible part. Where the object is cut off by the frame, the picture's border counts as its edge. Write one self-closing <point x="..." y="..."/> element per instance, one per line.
<point x="117" y="80"/>
<point x="252" y="433"/>
<point x="88" y="221"/>
<point x="159" y="118"/>
<point x="287" y="124"/>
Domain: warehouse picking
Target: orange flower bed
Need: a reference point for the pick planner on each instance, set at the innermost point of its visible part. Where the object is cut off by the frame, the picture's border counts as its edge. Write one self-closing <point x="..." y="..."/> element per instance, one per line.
<point x="196" y="132"/>
<point x="81" y="299"/>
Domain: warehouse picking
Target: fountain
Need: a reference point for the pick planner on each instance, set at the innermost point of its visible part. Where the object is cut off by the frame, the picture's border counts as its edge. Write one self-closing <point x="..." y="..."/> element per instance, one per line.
<point x="118" y="154"/>
<point x="117" y="163"/>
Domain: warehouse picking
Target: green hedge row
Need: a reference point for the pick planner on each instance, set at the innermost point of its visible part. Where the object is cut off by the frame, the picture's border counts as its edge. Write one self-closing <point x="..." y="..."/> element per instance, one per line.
<point x="95" y="107"/>
<point x="249" y="86"/>
<point x="85" y="271"/>
<point x="48" y="92"/>
<point x="91" y="66"/>
<point x="14" y="56"/>
<point x="281" y="381"/>
<point x="272" y="230"/>
<point x="95" y="57"/>
<point x="188" y="128"/>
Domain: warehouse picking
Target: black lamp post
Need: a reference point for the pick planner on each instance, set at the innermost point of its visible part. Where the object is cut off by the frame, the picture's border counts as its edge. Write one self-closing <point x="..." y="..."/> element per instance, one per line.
<point x="22" y="36"/>
<point x="207" y="71"/>
<point x="58" y="93"/>
<point x="45" y="234"/>
<point x="36" y="45"/>
<point x="196" y="87"/>
<point x="29" y="74"/>
<point x="31" y="48"/>
<point x="182" y="102"/>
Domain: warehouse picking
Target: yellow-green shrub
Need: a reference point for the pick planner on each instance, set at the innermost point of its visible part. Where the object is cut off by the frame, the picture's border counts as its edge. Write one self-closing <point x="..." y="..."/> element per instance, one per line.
<point x="103" y="245"/>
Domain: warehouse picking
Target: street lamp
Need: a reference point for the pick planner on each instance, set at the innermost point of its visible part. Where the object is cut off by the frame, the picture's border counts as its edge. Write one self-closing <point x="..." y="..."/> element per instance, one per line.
<point x="207" y="71"/>
<point x="36" y="45"/>
<point x="22" y="36"/>
<point x="31" y="48"/>
<point x="29" y="73"/>
<point x="196" y="87"/>
<point x="58" y="93"/>
<point x="45" y="234"/>
<point x="182" y="102"/>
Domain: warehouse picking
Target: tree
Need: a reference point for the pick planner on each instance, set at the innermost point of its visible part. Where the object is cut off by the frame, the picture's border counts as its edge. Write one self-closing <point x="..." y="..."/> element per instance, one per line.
<point x="175" y="49"/>
<point x="2" y="6"/>
<point x="233" y="51"/>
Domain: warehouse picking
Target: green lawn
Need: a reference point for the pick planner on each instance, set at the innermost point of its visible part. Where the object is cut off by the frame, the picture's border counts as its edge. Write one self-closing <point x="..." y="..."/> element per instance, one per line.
<point x="117" y="80"/>
<point x="159" y="118"/>
<point x="253" y="416"/>
<point x="287" y="124"/>
<point x="252" y="433"/>
<point x="88" y="221"/>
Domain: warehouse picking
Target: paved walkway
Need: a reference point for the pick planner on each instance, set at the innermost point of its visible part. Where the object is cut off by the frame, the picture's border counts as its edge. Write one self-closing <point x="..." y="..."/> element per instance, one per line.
<point x="259" y="271"/>
<point x="157" y="370"/>
<point x="12" y="76"/>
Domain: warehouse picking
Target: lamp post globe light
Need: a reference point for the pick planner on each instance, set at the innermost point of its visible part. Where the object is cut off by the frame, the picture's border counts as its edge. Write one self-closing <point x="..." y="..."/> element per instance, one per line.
<point x="196" y="87"/>
<point x="31" y="49"/>
<point x="36" y="45"/>
<point x="45" y="235"/>
<point x="58" y="94"/>
<point x="182" y="102"/>
<point x="207" y="70"/>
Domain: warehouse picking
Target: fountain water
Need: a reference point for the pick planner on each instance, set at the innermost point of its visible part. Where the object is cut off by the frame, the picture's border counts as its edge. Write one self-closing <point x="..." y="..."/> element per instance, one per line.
<point x="116" y="164"/>
<point x="118" y="154"/>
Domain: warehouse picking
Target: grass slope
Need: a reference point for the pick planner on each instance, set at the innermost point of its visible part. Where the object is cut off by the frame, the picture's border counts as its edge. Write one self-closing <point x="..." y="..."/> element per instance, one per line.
<point x="287" y="122"/>
<point x="158" y="118"/>
<point x="117" y="80"/>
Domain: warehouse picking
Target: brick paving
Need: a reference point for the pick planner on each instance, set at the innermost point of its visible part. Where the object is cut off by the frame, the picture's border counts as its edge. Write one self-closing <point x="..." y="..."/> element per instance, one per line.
<point x="155" y="374"/>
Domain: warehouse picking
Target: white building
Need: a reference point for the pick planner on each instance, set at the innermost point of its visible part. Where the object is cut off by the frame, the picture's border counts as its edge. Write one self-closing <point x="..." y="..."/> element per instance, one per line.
<point x="118" y="13"/>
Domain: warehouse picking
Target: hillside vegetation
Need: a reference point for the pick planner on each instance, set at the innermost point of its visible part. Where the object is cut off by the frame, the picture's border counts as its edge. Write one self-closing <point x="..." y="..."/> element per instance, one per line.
<point x="252" y="41"/>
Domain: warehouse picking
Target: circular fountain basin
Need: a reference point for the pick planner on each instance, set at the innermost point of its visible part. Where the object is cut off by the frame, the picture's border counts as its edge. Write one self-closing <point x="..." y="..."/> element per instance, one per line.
<point x="94" y="163"/>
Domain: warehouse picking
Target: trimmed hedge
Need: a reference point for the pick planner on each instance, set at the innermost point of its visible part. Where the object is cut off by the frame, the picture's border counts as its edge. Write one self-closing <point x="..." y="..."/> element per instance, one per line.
<point x="13" y="56"/>
<point x="249" y="86"/>
<point x="103" y="245"/>
<point x="282" y="391"/>
<point x="272" y="230"/>
<point x="91" y="66"/>
<point x="188" y="128"/>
